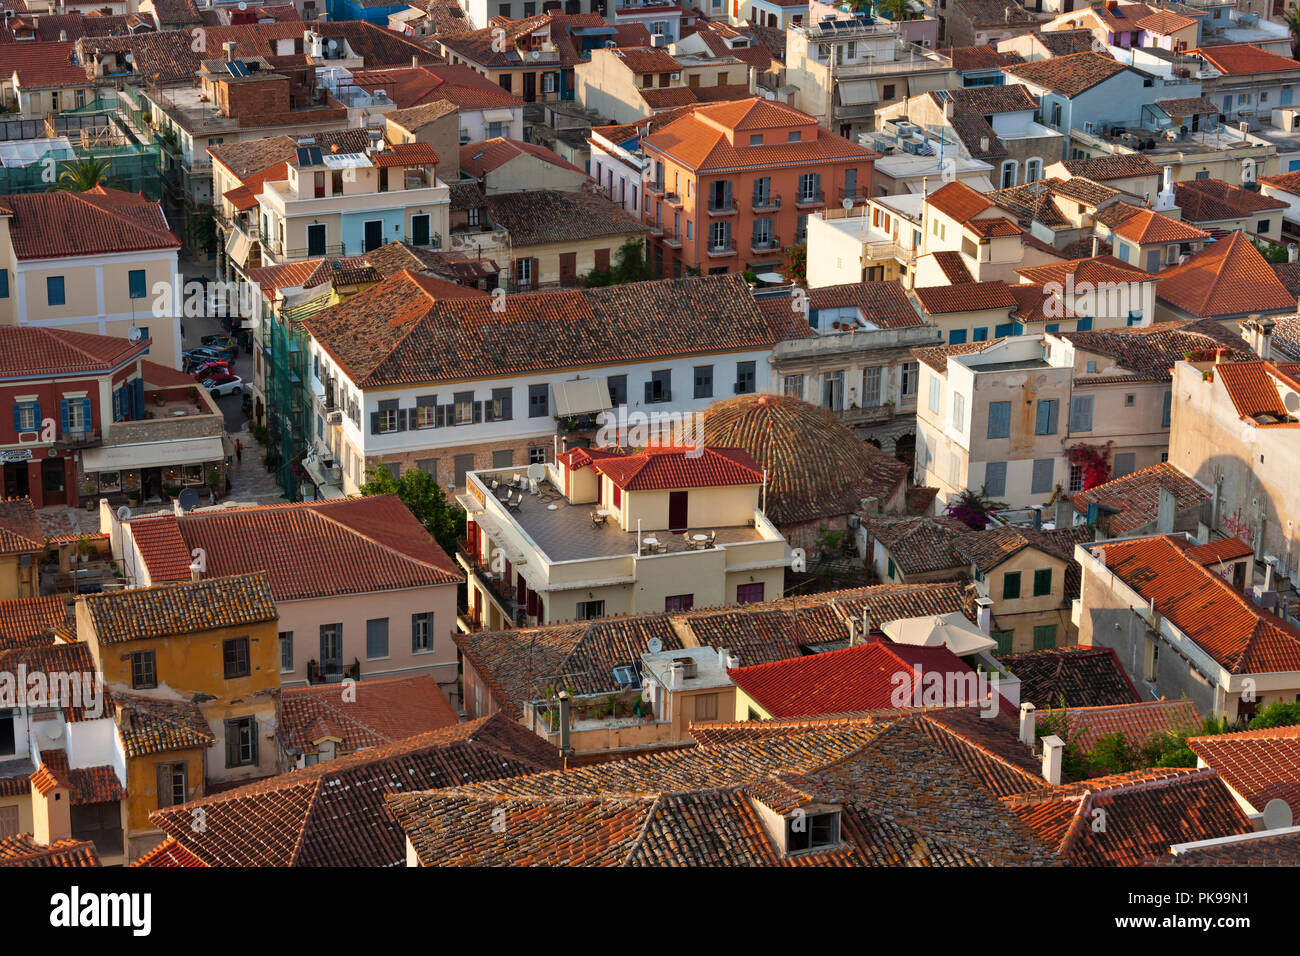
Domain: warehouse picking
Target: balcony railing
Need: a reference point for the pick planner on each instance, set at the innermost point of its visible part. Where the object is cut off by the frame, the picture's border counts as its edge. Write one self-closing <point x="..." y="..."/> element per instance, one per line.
<point x="725" y="250"/>
<point x="811" y="199"/>
<point x="280" y="251"/>
<point x="332" y="672"/>
<point x="766" y="202"/>
<point x="673" y="239"/>
<point x="722" y="209"/>
<point x="655" y="189"/>
<point x="857" y="195"/>
<point x="765" y="243"/>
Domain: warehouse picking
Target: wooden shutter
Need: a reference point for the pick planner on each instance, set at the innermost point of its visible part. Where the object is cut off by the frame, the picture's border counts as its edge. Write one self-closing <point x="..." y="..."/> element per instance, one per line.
<point x="164" y="785"/>
<point x="478" y="413"/>
<point x="374" y="423"/>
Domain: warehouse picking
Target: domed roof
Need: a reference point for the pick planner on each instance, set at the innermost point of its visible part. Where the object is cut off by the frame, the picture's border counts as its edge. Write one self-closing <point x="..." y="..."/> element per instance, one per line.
<point x="817" y="467"/>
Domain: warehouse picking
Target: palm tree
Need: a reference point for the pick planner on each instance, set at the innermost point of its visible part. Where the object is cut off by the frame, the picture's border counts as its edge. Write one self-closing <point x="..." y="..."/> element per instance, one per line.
<point x="83" y="175"/>
<point x="974" y="508"/>
<point x="1291" y="17"/>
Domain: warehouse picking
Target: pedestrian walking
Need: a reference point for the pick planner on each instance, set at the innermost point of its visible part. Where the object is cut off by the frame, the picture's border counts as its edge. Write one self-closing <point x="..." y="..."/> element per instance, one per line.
<point x="239" y="451"/>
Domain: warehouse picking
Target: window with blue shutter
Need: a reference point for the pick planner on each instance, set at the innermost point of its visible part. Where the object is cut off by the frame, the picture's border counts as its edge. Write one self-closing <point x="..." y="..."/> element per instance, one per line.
<point x="1165" y="414"/>
<point x="1053" y="327"/>
<point x="1007" y="328"/>
<point x="1081" y="413"/>
<point x="981" y="335"/>
<point x="999" y="420"/>
<point x="1084" y="324"/>
<point x="63" y="416"/>
<point x="27" y="417"/>
<point x="54" y="290"/>
<point x="957" y="337"/>
<point x="135" y="283"/>
<point x="1044" y="468"/>
<point x="4" y="283"/>
<point x="1046" y="418"/>
<point x="995" y="479"/>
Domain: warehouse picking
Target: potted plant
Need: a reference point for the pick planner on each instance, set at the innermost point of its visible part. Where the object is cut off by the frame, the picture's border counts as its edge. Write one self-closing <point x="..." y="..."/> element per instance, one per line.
<point x="83" y="549"/>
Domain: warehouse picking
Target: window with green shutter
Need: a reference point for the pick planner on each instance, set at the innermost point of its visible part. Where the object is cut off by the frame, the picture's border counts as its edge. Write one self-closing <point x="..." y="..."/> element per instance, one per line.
<point x="1044" y="637"/>
<point x="1042" y="582"/>
<point x="1010" y="585"/>
<point x="1004" y="639"/>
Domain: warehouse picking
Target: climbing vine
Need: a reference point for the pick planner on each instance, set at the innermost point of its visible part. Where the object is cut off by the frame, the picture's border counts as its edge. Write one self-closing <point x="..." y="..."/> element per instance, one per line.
<point x="1094" y="460"/>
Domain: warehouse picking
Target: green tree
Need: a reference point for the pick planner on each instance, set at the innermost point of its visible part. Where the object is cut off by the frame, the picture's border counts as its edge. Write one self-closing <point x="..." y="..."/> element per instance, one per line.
<point x="425" y="499"/>
<point x="629" y="266"/>
<point x="1112" y="753"/>
<point x="1074" y="762"/>
<point x="798" y="264"/>
<point x="83" y="175"/>
<point x="1292" y="19"/>
<point x="1277" y="714"/>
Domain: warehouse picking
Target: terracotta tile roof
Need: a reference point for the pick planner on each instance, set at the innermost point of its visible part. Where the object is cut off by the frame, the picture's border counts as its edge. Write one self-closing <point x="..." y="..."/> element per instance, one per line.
<point x="1082" y="676"/>
<point x="894" y="782"/>
<point x="1212" y="200"/>
<point x="333" y="813"/>
<point x="85" y="785"/>
<point x="993" y="228"/>
<point x="1218" y="551"/>
<point x="647" y="60"/>
<point x="31" y="621"/>
<point x="521" y="665"/>
<point x="884" y="304"/>
<point x="306" y="274"/>
<point x="958" y="201"/>
<point x="149" y="725"/>
<point x="1264" y="848"/>
<point x="1032" y="202"/>
<point x="1082" y="189"/>
<point x="70" y="678"/>
<point x="578" y="458"/>
<point x="382" y="712"/>
<point x="1235" y="59"/>
<point x="1150" y="352"/>
<point x="1261" y="765"/>
<point x="1229" y="627"/>
<point x="539" y="216"/>
<point x="30" y="351"/>
<point x="673" y="97"/>
<point x="659" y="468"/>
<point x="936" y="356"/>
<point x="169" y="853"/>
<point x="954" y="266"/>
<point x="1136" y="497"/>
<point x="478" y="159"/>
<point x="179" y="609"/>
<point x="55" y="224"/>
<point x="1145" y="812"/>
<point x="988" y="548"/>
<point x="967" y="297"/>
<point x="21" y="849"/>
<point x="1253" y="389"/>
<point x="862" y="677"/>
<point x="386" y="336"/>
<point x="967" y="58"/>
<point x="20" y="532"/>
<point x="1148" y="226"/>
<point x="699" y="141"/>
<point x="394" y="257"/>
<point x="406" y="154"/>
<point x="1105" y="168"/>
<point x="918" y="544"/>
<point x="1136" y="721"/>
<point x="816" y="466"/>
<point x="425" y="93"/>
<point x="1065" y="42"/>
<point x="1094" y="269"/>
<point x="1189" y="106"/>
<point x="306" y="550"/>
<point x="1070" y="75"/>
<point x="1165" y="22"/>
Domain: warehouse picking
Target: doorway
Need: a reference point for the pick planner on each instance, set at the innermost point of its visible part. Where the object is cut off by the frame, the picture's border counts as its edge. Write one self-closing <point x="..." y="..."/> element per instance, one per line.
<point x="52" y="482"/>
<point x="151" y="484"/>
<point x="374" y="237"/>
<point x="530" y="87"/>
<point x="16" y="480"/>
<point x="677" y="510"/>
<point x="420" y="230"/>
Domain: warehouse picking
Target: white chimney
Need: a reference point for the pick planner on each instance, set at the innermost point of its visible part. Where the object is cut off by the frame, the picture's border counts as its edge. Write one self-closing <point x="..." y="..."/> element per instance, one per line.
<point x="229" y="48"/>
<point x="1028" y="724"/>
<point x="196" y="573"/>
<point x="677" y="675"/>
<point x="415" y="59"/>
<point x="1053" y="752"/>
<point x="984" y="615"/>
<point x="723" y="658"/>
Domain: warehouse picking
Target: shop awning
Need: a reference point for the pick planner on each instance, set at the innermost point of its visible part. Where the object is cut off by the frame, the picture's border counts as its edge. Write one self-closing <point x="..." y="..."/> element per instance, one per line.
<point x="185" y="451"/>
<point x="498" y="116"/>
<point x="581" y="397"/>
<point x="237" y="247"/>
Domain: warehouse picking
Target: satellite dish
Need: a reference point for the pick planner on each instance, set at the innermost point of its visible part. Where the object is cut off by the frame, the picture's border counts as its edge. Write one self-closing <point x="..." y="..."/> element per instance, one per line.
<point x="54" y="730"/>
<point x="1277" y="814"/>
<point x="847" y="203"/>
<point x="537" y="54"/>
<point x="123" y="513"/>
<point x="654" y="645"/>
<point x="188" y="499"/>
<point x="1292" y="401"/>
<point x="134" y="335"/>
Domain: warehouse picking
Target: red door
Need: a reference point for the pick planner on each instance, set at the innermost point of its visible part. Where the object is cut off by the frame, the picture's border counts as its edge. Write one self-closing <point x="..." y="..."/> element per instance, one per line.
<point x="749" y="593"/>
<point x="677" y="510"/>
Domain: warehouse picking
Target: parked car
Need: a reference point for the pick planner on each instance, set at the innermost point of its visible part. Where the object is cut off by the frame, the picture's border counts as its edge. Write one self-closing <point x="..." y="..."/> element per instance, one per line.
<point x="218" y="341"/>
<point x="212" y="367"/>
<point x="223" y="384"/>
<point x="196" y="357"/>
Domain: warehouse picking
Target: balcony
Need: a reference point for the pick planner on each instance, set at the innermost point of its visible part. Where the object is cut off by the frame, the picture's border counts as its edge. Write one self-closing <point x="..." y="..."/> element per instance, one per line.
<point x="870" y="415"/>
<point x="763" y="203"/>
<point x="722" y="250"/>
<point x="857" y="195"/>
<point x="723" y="209"/>
<point x="765" y="243"/>
<point x="811" y="199"/>
<point x="673" y="239"/>
<point x="673" y="199"/>
<point x="79" y="437"/>
<point x="333" y="672"/>
<point x="279" y="250"/>
<point x="655" y="189"/>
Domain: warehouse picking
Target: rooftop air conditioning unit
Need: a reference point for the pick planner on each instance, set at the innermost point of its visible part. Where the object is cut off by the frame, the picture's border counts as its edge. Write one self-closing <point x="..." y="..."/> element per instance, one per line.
<point x="676" y="77"/>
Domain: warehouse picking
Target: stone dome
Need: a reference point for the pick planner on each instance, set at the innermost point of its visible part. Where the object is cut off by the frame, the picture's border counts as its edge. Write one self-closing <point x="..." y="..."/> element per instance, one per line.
<point x="817" y="467"/>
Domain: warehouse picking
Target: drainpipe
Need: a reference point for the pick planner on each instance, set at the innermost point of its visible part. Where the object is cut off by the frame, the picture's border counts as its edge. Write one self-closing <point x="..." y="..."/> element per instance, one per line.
<point x="564" y="727"/>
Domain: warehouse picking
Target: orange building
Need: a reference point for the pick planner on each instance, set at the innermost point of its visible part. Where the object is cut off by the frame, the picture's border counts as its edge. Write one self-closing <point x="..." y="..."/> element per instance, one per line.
<point x="730" y="186"/>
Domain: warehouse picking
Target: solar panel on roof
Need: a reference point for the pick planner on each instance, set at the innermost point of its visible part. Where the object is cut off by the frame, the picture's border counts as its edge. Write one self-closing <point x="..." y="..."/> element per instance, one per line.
<point x="237" y="68"/>
<point x="304" y="155"/>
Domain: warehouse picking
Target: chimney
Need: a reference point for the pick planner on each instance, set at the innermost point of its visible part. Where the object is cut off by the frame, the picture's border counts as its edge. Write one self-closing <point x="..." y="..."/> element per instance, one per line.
<point x="1028" y="724"/>
<point x="984" y="144"/>
<point x="853" y="631"/>
<point x="51" y="814"/>
<point x="677" y="675"/>
<point x="1265" y="348"/>
<point x="63" y="36"/>
<point x="415" y="59"/>
<point x="229" y="48"/>
<point x="125" y="716"/>
<point x="196" y="573"/>
<point x="564" y="723"/>
<point x="1053" y="752"/>
<point x="1094" y="245"/>
<point x="984" y="615"/>
<point x="866" y="624"/>
<point x="724" y="658"/>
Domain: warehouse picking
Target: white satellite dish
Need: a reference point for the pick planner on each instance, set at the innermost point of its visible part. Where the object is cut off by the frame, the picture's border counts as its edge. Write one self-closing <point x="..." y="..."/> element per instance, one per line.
<point x="54" y="730"/>
<point x="134" y="334"/>
<point x="1277" y="814"/>
<point x="847" y="203"/>
<point x="123" y="513"/>
<point x="654" y="645"/>
<point x="537" y="54"/>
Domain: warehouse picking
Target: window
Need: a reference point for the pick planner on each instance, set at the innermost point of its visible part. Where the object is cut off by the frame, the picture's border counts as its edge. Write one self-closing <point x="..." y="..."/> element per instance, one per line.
<point x="1009" y="173"/>
<point x="462" y="464"/>
<point x="704" y="381"/>
<point x="811" y="831"/>
<point x="934" y="394"/>
<point x="4" y="283"/>
<point x="719" y="236"/>
<point x="54" y="290"/>
<point x="1044" y="469"/>
<point x="144" y="669"/>
<point x="503" y="458"/>
<point x="136" y="283"/>
<point x="1130" y="399"/>
<point x="746" y="377"/>
<point x="794" y="136"/>
<point x="537" y="454"/>
<point x="1011" y="585"/>
<point x="1151" y="666"/>
<point x="27" y="416"/>
<point x="1125" y="464"/>
<point x="749" y="593"/>
<point x="872" y="382"/>
<point x="1045" y="423"/>
<point x="75" y="413"/>
<point x="755" y="139"/>
<point x="523" y="273"/>
<point x="617" y="389"/>
<point x="679" y="602"/>
<point x="810" y="187"/>
<point x="833" y="390"/>
<point x="464" y="406"/>
<point x="706" y="706"/>
<point x="1044" y="637"/>
<point x="286" y="651"/>
<point x="794" y="386"/>
<point x="376" y="638"/>
<point x="659" y="388"/>
<point x="1167" y="410"/>
<point x="387" y="416"/>
<point x="999" y="420"/>
<point x="426" y="412"/>
<point x="234" y="655"/>
<point x="1081" y="413"/>
<point x="500" y="410"/>
<point x="422" y="632"/>
<point x="172" y="784"/>
<point x="539" y="402"/>
<point x="1005" y="639"/>
<point x="589" y="610"/>
<point x="995" y="478"/>
<point x="1033" y="170"/>
<point x="981" y="334"/>
<point x="1042" y="582"/>
<point x="241" y="742"/>
<point x="908" y="377"/>
<point x="958" y="411"/>
<point x="1076" y="479"/>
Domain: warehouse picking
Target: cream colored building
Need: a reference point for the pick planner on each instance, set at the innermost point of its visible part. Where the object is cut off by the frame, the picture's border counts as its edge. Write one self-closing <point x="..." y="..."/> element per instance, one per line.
<point x="666" y="530"/>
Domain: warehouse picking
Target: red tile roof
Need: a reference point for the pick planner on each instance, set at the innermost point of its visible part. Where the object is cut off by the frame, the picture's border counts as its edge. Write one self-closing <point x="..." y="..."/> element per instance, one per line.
<point x="21" y="849"/>
<point x="647" y="60"/>
<point x="415" y="87"/>
<point x="1253" y="389"/>
<point x="309" y="549"/>
<point x="71" y="681"/>
<point x="85" y="785"/>
<point x="659" y="468"/>
<point x="1226" y="278"/>
<point x="1094" y="269"/>
<point x="29" y="351"/>
<point x="1105" y="168"/>
<point x="1233" y="630"/>
<point x="1081" y="676"/>
<point x="169" y="853"/>
<point x="56" y="224"/>
<point x="479" y="159"/>
<point x="1212" y="200"/>
<point x="577" y="458"/>
<point x="181" y="608"/>
<point x="1165" y="22"/>
<point x="1261" y="765"/>
<point x="864" y="677"/>
<point x="29" y="621"/>
<point x="1070" y="75"/>
<point x="1234" y="59"/>
<point x="958" y="201"/>
<point x="966" y="297"/>
<point x="1136" y="721"/>
<point x="1223" y="549"/>
<point x="1136" y="496"/>
<point x="1148" y="226"/>
<point x="20" y="531"/>
<point x="382" y="712"/>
